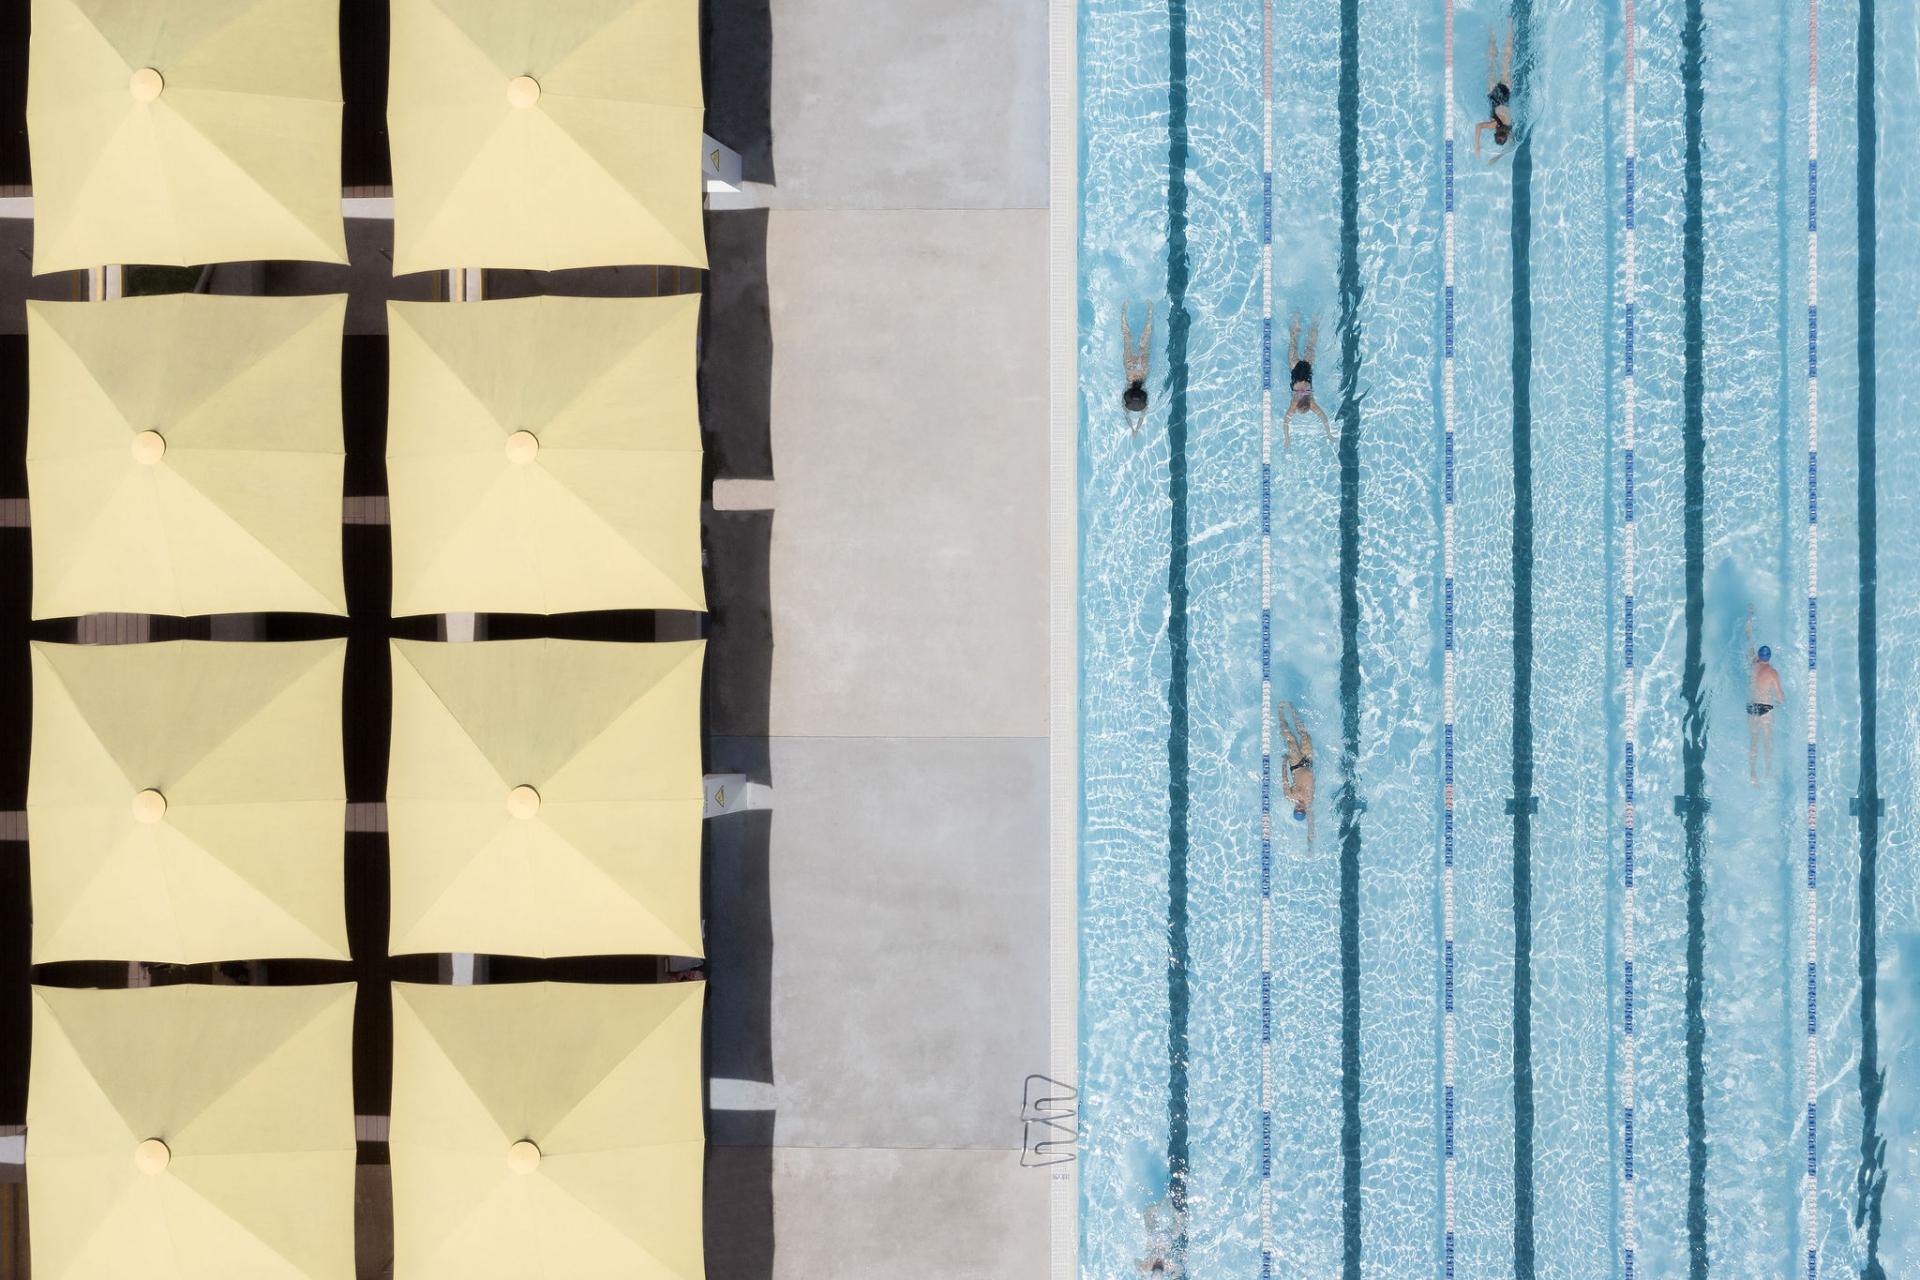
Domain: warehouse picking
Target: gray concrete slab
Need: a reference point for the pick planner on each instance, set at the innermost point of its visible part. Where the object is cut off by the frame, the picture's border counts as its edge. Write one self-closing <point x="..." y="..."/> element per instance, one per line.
<point x="908" y="570"/>
<point x="874" y="345"/>
<point x="912" y="104"/>
<point x="883" y="962"/>
<point x="877" y="1215"/>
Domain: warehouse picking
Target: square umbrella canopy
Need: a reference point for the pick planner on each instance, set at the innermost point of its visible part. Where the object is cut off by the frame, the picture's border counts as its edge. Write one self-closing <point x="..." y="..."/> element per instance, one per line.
<point x="187" y="802"/>
<point x="544" y="798"/>
<point x="546" y="133"/>
<point x="184" y="131"/>
<point x="543" y="455"/>
<point x="187" y="1132"/>
<point x="184" y="455"/>
<point x="547" y="1129"/>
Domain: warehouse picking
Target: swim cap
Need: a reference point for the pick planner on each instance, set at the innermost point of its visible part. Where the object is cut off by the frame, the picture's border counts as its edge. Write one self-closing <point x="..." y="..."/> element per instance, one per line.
<point x="1765" y="653"/>
<point x="1299" y="815"/>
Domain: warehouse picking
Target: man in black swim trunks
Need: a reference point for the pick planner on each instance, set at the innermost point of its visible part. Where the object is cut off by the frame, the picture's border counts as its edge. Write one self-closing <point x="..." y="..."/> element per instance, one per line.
<point x="1763" y="695"/>
<point x="1302" y="382"/>
<point x="1499" y="93"/>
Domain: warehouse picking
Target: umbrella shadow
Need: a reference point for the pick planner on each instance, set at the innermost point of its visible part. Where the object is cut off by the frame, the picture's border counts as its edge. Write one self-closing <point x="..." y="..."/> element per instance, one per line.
<point x="736" y="64"/>
<point x="738" y="903"/>
<point x="736" y="348"/>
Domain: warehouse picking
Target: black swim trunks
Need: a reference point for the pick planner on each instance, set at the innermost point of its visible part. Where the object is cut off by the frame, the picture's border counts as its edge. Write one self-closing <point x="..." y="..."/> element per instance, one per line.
<point x="1499" y="96"/>
<point x="1302" y="372"/>
<point x="1758" y="708"/>
<point x="1306" y="764"/>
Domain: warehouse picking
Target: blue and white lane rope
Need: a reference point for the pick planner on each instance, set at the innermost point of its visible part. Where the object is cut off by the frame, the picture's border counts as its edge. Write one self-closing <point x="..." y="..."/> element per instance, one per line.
<point x="1630" y="678"/>
<point x="1810" y="1190"/>
<point x="1266" y="646"/>
<point x="1446" y="539"/>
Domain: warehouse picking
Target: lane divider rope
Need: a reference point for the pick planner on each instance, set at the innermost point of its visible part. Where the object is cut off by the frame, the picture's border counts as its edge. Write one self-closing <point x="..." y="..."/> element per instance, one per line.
<point x="1446" y="538"/>
<point x="1629" y="725"/>
<point x="1811" y="1188"/>
<point x="1266" y="646"/>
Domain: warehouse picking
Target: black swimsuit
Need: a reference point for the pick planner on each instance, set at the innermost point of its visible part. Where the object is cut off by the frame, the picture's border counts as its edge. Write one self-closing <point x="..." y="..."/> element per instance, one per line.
<point x="1498" y="97"/>
<point x="1758" y="708"/>
<point x="1303" y="372"/>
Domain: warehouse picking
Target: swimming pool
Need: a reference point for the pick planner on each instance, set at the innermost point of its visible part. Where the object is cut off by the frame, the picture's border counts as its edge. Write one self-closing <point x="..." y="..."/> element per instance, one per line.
<point x="1404" y="1051"/>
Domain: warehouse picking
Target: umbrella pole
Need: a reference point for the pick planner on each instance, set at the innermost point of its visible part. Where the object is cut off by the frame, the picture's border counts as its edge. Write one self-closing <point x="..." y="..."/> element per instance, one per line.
<point x="105" y="283"/>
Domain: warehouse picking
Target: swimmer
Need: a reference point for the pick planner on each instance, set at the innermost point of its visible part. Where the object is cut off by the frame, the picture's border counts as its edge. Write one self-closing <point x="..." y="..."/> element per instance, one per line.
<point x="1299" y="784"/>
<point x="1139" y="363"/>
<point x="1499" y="93"/>
<point x="1763" y="695"/>
<point x="1302" y="379"/>
<point x="1164" y="1226"/>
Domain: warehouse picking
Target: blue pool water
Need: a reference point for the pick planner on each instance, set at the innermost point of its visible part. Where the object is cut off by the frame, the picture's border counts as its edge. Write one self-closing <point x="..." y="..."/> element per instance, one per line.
<point x="1347" y="1108"/>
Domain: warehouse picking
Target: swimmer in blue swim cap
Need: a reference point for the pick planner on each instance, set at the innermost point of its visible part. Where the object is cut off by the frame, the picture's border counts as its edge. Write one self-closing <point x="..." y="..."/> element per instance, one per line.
<point x="1299" y="783"/>
<point x="1763" y="695"/>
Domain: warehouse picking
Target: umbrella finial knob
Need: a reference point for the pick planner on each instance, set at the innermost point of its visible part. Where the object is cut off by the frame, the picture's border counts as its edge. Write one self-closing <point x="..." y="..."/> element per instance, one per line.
<point x="146" y="84"/>
<point x="523" y="801"/>
<point x="523" y="447"/>
<point x="149" y="806"/>
<point x="149" y="447"/>
<point x="523" y="1156"/>
<point x="522" y="92"/>
<point x="152" y="1156"/>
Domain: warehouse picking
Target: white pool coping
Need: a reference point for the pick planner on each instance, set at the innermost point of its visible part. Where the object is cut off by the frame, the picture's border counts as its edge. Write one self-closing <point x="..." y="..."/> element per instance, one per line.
<point x="1063" y="205"/>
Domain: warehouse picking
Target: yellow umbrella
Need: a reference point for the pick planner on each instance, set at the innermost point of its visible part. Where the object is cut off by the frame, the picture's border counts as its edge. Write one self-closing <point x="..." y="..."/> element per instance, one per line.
<point x="547" y="1129"/>
<point x="179" y="1133"/>
<point x="544" y="798"/>
<point x="543" y="455"/>
<point x="546" y="133"/>
<point x="187" y="802"/>
<point x="184" y="131"/>
<point x="184" y="455"/>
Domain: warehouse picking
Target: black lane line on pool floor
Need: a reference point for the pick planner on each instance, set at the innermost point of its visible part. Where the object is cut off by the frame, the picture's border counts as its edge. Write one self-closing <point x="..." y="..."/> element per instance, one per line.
<point x="1349" y="797"/>
<point x="1179" y="270"/>
<point x="1692" y="804"/>
<point x="1872" y="1181"/>
<point x="1523" y="805"/>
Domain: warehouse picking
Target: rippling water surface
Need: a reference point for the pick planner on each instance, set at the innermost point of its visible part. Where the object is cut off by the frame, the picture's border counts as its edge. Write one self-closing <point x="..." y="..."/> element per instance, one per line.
<point x="1753" y="554"/>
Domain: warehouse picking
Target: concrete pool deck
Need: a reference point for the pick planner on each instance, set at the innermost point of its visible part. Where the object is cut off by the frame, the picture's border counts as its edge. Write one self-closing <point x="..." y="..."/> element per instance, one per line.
<point x="879" y="938"/>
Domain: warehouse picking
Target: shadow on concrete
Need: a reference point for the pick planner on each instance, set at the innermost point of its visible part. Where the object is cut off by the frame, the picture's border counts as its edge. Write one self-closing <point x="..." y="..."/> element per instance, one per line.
<point x="626" y="970"/>
<point x="739" y="675"/>
<point x="364" y="159"/>
<point x="739" y="1033"/>
<point x="736" y="379"/>
<point x="740" y="1221"/>
<point x="736" y="348"/>
<point x="593" y="282"/>
<point x="15" y="23"/>
<point x="739" y="1175"/>
<point x="736" y="62"/>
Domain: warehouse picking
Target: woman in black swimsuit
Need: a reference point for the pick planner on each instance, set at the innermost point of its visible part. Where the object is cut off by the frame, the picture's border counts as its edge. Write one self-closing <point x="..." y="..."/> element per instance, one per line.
<point x="1301" y="379"/>
<point x="1499" y="93"/>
